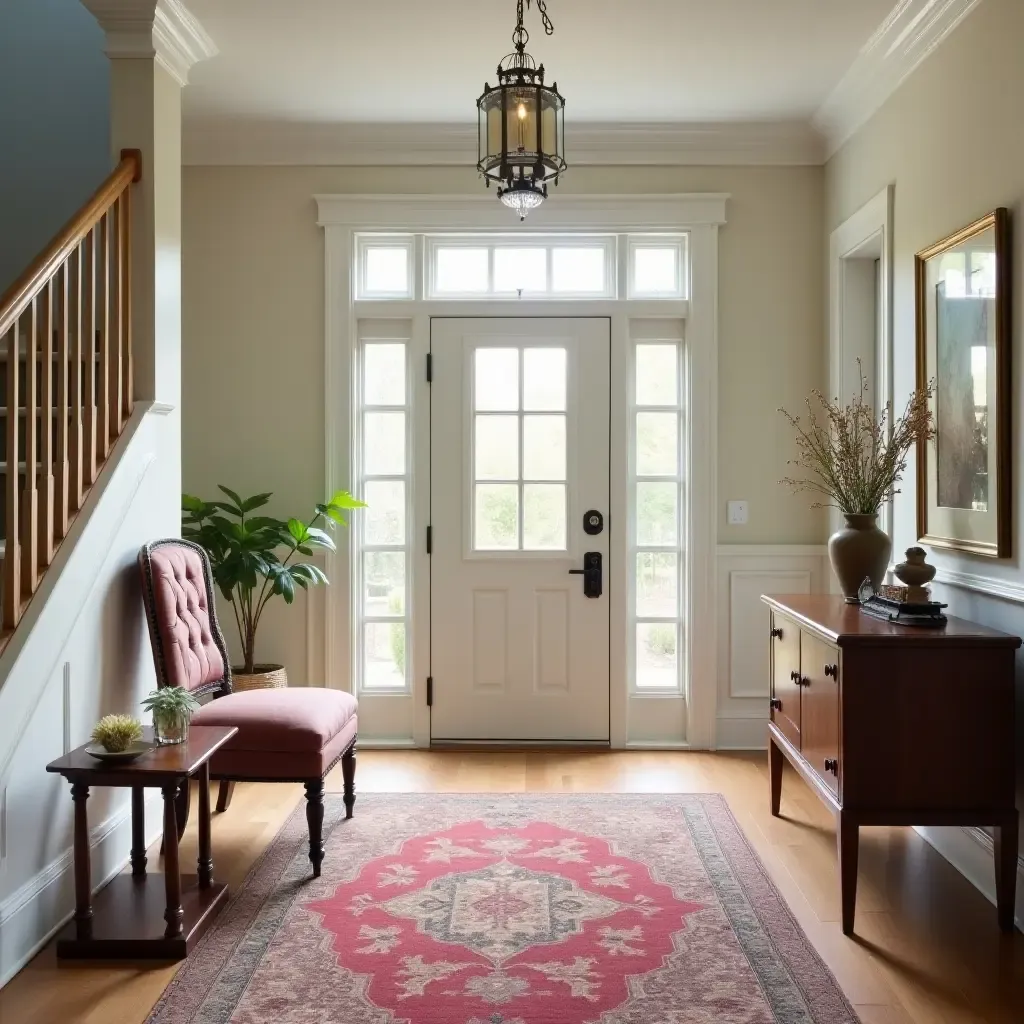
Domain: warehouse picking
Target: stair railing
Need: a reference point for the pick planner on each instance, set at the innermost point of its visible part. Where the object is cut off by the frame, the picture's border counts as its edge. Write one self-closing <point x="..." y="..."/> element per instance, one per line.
<point x="66" y="354"/>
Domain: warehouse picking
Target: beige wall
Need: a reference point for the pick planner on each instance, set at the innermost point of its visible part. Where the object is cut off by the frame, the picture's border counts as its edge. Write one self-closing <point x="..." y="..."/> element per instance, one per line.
<point x="253" y="330"/>
<point x="950" y="140"/>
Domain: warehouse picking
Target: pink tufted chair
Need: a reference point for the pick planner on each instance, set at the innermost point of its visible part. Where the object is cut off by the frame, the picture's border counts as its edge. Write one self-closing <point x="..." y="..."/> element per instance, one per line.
<point x="289" y="735"/>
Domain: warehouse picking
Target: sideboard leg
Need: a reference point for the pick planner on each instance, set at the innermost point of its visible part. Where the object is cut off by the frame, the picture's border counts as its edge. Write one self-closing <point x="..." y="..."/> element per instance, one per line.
<point x="775" y="761"/>
<point x="1006" y="839"/>
<point x="848" y="841"/>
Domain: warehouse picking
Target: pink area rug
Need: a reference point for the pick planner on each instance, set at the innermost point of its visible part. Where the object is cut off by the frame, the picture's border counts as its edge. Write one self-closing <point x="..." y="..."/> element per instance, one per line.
<point x="438" y="909"/>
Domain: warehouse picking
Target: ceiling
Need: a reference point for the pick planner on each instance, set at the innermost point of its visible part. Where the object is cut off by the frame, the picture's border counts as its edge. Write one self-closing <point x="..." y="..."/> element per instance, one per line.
<point x="668" y="61"/>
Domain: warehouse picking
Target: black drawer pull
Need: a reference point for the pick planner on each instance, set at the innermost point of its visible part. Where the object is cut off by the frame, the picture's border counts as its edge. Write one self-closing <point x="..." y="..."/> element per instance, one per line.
<point x="777" y="633"/>
<point x="775" y="704"/>
<point x="832" y="765"/>
<point x="795" y="676"/>
<point x="832" y="670"/>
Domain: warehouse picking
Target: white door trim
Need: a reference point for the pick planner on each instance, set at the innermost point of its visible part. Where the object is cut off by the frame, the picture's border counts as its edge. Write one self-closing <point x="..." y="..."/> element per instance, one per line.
<point x="397" y="718"/>
<point x="866" y="236"/>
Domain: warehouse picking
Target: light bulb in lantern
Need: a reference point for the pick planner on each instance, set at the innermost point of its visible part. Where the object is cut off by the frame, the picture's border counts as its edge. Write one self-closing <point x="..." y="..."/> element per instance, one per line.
<point x="522" y="111"/>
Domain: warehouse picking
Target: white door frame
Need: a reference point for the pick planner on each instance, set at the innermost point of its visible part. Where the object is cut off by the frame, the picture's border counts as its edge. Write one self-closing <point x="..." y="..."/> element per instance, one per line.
<point x="860" y="314"/>
<point x="636" y="720"/>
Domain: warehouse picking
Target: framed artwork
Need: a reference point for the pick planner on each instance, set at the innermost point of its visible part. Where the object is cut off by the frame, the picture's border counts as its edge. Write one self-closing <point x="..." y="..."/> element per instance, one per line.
<point x="963" y="348"/>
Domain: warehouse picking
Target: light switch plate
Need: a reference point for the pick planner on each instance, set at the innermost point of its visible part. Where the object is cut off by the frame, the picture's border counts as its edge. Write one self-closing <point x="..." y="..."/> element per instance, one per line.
<point x="738" y="513"/>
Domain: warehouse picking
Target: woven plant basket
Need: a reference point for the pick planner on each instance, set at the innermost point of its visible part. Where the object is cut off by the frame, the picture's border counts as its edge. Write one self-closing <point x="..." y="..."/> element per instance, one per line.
<point x="266" y="677"/>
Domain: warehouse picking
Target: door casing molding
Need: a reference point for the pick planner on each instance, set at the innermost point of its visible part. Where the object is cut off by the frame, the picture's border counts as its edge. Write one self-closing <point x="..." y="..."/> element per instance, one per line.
<point x="397" y="718"/>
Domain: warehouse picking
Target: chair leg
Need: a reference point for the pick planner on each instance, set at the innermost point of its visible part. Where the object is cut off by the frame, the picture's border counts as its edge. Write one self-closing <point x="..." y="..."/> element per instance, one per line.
<point x="315" y="821"/>
<point x="225" y="791"/>
<point x="348" y="774"/>
<point x="181" y="807"/>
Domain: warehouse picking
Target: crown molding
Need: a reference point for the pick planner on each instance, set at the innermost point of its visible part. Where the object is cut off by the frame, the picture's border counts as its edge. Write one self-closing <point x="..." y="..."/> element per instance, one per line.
<point x="235" y="141"/>
<point x="911" y="32"/>
<point x="162" y="29"/>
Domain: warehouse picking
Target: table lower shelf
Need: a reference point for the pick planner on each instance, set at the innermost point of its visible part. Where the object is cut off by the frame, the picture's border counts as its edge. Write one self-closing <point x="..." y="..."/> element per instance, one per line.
<point x="128" y="921"/>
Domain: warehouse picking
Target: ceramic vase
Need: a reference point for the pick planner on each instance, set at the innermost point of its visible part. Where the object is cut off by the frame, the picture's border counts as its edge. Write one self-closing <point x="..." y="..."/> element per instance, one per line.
<point x="859" y="550"/>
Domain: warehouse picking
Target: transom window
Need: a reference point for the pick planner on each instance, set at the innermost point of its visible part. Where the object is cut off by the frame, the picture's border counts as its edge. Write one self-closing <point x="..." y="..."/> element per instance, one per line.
<point x="520" y="266"/>
<point x="519" y="449"/>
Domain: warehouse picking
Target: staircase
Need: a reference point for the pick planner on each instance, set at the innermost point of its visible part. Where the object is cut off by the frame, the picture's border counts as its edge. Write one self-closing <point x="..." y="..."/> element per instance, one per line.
<point x="65" y="383"/>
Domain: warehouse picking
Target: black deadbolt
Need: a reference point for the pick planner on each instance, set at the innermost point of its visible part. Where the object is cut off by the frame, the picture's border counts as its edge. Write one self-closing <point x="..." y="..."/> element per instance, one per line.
<point x="593" y="522"/>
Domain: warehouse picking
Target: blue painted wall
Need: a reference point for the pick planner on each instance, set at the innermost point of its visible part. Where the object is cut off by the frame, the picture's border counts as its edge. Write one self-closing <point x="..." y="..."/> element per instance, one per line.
<point x="54" y="122"/>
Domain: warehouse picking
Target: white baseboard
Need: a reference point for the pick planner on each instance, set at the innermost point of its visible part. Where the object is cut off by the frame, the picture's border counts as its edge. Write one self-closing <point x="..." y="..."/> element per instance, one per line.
<point x="39" y="908"/>
<point x="969" y="850"/>
<point x="742" y="733"/>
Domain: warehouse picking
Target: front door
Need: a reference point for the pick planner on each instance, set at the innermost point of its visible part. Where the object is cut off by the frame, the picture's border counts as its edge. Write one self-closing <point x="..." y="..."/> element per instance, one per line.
<point x="519" y="485"/>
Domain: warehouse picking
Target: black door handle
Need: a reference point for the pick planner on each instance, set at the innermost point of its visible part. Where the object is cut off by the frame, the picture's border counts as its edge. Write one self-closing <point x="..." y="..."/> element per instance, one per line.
<point x="591" y="573"/>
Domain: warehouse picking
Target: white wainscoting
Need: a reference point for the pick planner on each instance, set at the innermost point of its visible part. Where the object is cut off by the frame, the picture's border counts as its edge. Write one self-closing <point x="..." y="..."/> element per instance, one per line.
<point x="745" y="572"/>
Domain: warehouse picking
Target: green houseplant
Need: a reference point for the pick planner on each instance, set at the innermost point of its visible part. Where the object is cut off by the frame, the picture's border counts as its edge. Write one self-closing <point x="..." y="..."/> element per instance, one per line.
<point x="253" y="559"/>
<point x="116" y="733"/>
<point x="172" y="708"/>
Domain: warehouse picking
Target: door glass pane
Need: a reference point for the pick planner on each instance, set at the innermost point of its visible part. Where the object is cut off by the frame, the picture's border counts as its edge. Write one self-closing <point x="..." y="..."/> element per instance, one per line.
<point x="516" y="269"/>
<point x="657" y="584"/>
<point x="544" y="379"/>
<point x="460" y="270"/>
<point x="657" y="664"/>
<point x="657" y="444"/>
<point x="384" y="515"/>
<point x="656" y="270"/>
<point x="384" y="656"/>
<point x="578" y="270"/>
<point x="657" y="514"/>
<point x="387" y="269"/>
<point x="384" y="583"/>
<point x="657" y="375"/>
<point x="384" y="443"/>
<point x="496" y="379"/>
<point x="544" y="448"/>
<point x="384" y="374"/>
<point x="496" y="448"/>
<point x="497" y="517"/>
<point x="544" y="517"/>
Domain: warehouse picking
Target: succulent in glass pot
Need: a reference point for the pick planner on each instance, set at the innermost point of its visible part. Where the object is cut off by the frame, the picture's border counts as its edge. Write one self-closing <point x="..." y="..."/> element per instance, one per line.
<point x="172" y="708"/>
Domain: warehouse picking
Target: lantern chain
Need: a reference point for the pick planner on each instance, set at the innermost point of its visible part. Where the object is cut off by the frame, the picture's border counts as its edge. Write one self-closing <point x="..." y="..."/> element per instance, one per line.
<point x="521" y="37"/>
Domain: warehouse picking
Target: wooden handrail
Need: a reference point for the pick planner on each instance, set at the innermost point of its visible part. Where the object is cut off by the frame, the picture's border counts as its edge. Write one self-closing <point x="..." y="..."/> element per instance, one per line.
<point x="17" y="298"/>
<point x="66" y="360"/>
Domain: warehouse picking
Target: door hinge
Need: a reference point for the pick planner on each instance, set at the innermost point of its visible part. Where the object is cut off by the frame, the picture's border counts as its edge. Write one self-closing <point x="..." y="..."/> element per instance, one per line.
<point x="430" y="691"/>
<point x="430" y="540"/>
<point x="430" y="367"/>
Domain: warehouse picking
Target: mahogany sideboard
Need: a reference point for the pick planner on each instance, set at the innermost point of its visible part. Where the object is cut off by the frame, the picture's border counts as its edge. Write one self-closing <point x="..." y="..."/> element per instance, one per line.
<point x="895" y="725"/>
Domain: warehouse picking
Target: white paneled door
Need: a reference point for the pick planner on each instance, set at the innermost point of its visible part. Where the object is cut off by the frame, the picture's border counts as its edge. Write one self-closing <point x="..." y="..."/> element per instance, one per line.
<point x="519" y="486"/>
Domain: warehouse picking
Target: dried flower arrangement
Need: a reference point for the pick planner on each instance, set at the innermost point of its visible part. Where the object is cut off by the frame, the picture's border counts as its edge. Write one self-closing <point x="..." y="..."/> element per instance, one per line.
<point x="116" y="733"/>
<point x="854" y="458"/>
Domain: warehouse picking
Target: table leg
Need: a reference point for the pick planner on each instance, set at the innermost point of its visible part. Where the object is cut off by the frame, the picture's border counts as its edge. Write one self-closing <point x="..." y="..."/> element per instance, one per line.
<point x="775" y="760"/>
<point x="205" y="845"/>
<point x="174" y="914"/>
<point x="1006" y="838"/>
<point x="138" y="832"/>
<point x="848" y="841"/>
<point x="83" y="865"/>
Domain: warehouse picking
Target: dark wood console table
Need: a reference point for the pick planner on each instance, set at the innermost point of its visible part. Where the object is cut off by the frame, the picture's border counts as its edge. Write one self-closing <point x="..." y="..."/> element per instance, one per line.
<point x="895" y="725"/>
<point x="138" y="916"/>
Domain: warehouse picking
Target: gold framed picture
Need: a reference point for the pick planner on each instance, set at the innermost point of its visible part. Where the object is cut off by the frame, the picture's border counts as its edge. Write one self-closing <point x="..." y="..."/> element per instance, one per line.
<point x="963" y="347"/>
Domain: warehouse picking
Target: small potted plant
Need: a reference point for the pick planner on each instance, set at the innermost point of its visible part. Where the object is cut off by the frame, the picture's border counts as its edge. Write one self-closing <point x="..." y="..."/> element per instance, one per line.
<point x="117" y="733"/>
<point x="252" y="558"/>
<point x="172" y="708"/>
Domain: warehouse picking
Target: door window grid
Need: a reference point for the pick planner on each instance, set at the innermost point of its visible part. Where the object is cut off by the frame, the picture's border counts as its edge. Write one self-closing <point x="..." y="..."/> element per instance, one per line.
<point x="656" y="489"/>
<point x="383" y="548"/>
<point x="519" y="450"/>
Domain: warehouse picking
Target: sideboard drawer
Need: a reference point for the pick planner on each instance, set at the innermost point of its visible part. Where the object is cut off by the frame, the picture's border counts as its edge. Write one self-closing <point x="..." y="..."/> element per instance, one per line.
<point x="819" y="723"/>
<point x="785" y="705"/>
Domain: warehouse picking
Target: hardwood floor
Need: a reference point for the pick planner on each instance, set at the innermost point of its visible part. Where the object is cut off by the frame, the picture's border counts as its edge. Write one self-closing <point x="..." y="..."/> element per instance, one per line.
<point x="927" y="948"/>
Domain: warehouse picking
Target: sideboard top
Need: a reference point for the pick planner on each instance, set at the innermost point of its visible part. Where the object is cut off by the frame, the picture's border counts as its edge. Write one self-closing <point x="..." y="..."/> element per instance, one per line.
<point x="846" y="625"/>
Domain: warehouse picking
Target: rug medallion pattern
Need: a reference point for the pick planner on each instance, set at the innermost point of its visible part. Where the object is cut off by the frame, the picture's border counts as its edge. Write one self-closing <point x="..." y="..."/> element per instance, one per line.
<point x="509" y="910"/>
